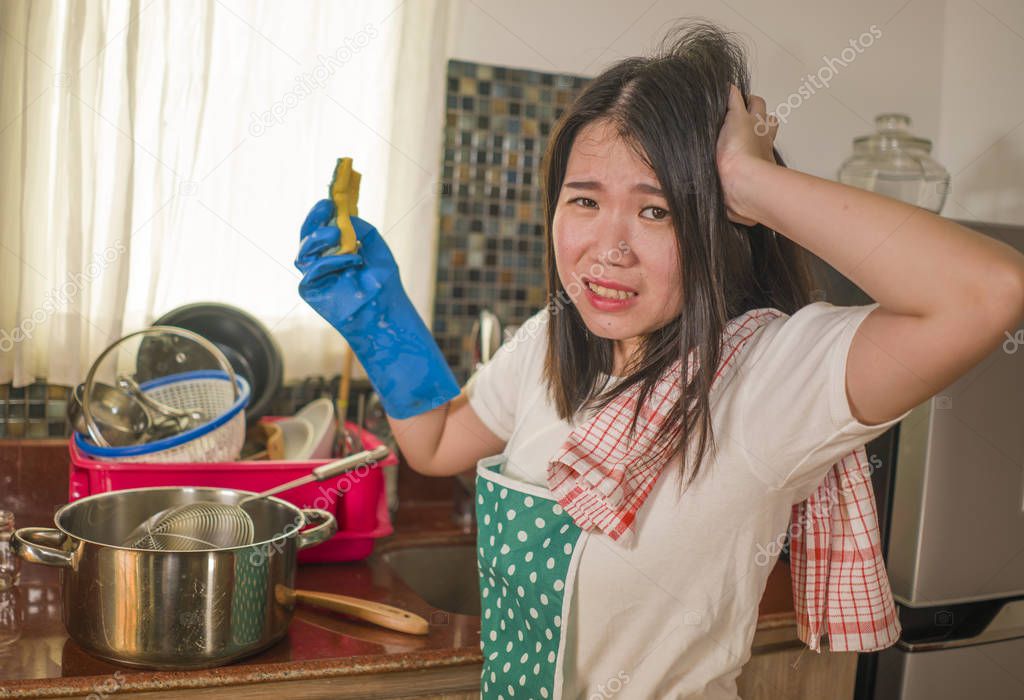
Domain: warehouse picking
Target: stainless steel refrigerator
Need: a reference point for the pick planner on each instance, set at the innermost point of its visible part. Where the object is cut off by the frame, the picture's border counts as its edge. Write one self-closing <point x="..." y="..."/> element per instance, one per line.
<point x="951" y="501"/>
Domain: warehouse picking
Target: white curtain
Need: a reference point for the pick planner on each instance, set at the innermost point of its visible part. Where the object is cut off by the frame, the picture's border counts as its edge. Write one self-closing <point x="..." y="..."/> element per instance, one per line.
<point x="157" y="153"/>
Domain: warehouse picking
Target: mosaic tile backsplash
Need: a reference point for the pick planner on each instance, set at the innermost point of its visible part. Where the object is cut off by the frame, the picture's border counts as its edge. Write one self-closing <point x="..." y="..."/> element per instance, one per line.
<point x="38" y="410"/>
<point x="491" y="243"/>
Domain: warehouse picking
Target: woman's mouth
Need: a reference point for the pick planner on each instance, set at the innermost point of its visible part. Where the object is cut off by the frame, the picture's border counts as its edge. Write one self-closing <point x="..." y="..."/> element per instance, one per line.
<point x="609" y="296"/>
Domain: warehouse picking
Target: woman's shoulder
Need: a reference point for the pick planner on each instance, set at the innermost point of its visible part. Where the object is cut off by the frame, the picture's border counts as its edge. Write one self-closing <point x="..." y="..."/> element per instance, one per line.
<point x="810" y="323"/>
<point x="775" y="343"/>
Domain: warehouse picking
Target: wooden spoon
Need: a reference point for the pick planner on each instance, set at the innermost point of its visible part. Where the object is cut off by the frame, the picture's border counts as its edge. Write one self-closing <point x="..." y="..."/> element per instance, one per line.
<point x="380" y="614"/>
<point x="342" y="440"/>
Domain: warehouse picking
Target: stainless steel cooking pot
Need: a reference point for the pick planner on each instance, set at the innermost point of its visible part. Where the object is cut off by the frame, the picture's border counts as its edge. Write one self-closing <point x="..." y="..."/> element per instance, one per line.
<point x="168" y="609"/>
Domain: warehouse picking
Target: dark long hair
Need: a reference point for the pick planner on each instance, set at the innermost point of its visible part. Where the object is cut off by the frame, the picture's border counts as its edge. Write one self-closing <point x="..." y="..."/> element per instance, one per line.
<point x="670" y="107"/>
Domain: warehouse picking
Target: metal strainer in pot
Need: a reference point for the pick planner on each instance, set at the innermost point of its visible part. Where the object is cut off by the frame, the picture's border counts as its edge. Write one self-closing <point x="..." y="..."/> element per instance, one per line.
<point x="209" y="525"/>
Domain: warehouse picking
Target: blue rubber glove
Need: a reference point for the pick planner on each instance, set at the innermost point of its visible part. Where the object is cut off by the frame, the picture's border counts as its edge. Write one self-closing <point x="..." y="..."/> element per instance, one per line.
<point x="361" y="295"/>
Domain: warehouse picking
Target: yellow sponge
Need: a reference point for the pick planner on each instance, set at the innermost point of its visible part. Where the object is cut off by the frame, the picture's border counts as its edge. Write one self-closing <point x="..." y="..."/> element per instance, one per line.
<point x="344" y="192"/>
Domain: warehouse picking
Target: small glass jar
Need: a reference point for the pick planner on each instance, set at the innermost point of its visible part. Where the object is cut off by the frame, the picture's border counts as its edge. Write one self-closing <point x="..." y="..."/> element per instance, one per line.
<point x="10" y="564"/>
<point x="897" y="164"/>
<point x="12" y="619"/>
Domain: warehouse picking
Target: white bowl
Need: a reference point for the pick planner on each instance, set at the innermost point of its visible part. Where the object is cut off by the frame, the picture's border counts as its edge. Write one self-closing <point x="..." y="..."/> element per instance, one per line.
<point x="297" y="435"/>
<point x="320" y="414"/>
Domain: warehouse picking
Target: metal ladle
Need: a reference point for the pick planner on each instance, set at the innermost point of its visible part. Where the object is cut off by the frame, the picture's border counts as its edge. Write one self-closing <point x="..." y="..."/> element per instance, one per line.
<point x="123" y="415"/>
<point x="123" y="419"/>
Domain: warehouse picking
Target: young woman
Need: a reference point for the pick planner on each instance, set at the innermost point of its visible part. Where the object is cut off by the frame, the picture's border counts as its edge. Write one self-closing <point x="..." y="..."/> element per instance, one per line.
<point x="625" y="506"/>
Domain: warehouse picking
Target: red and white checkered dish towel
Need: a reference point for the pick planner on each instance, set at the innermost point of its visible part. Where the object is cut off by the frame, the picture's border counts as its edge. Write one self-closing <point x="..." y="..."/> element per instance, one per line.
<point x="840" y="587"/>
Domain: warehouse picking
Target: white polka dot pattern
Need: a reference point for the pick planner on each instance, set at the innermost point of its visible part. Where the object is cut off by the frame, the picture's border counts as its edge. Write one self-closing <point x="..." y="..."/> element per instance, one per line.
<point x="522" y="571"/>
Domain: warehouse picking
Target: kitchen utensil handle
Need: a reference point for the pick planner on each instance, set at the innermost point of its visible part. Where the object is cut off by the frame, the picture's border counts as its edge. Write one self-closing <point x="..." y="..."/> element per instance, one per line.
<point x="346" y="382"/>
<point x="321" y="533"/>
<point x="380" y="614"/>
<point x="349" y="463"/>
<point x="129" y="385"/>
<point x="360" y="417"/>
<point x="325" y="472"/>
<point x="32" y="551"/>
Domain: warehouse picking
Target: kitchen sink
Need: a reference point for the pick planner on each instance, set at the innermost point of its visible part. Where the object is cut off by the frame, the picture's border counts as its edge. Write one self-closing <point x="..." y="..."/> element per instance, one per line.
<point x="443" y="575"/>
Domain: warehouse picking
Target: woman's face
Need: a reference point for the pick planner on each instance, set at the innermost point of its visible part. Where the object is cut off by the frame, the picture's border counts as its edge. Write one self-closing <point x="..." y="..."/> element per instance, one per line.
<point x="615" y="248"/>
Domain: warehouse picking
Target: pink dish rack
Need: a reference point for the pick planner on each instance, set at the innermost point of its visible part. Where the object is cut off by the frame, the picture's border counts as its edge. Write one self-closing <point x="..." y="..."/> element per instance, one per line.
<point x="357" y="499"/>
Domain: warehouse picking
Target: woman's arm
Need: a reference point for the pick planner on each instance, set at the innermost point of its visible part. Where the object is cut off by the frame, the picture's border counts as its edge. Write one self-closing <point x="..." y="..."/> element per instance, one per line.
<point x="947" y="294"/>
<point x="446" y="440"/>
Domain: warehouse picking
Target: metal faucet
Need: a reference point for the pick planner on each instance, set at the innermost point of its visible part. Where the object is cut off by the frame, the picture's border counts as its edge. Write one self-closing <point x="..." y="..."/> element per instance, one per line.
<point x="487" y="338"/>
<point x="464" y="501"/>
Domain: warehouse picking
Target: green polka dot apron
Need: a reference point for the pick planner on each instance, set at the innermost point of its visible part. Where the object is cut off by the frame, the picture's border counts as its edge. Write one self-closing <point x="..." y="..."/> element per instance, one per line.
<point x="528" y="551"/>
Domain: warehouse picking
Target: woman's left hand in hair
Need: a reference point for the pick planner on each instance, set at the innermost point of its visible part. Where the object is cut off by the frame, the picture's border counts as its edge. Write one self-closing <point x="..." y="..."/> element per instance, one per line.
<point x="747" y="135"/>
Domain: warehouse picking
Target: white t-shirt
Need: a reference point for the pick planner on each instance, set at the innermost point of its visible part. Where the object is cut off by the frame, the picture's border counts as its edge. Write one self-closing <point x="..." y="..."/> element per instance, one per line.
<point x="673" y="615"/>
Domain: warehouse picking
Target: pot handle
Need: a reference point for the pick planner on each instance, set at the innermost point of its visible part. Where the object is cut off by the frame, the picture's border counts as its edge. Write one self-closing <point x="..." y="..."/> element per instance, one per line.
<point x="321" y="533"/>
<point x="25" y="542"/>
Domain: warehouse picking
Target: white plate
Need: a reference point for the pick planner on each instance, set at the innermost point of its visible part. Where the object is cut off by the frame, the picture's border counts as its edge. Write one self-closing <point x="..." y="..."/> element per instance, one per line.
<point x="320" y="414"/>
<point x="297" y="434"/>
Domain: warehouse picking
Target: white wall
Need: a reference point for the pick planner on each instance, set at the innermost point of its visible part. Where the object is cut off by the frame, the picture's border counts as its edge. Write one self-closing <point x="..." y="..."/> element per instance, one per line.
<point x="949" y="64"/>
<point x="981" y="140"/>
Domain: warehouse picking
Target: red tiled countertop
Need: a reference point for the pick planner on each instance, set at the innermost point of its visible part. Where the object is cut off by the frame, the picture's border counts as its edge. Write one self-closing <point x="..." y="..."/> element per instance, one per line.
<point x="44" y="662"/>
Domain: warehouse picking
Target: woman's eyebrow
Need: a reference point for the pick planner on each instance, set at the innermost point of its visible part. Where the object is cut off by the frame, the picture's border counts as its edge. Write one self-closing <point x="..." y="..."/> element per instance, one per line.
<point x="594" y="185"/>
<point x="648" y="189"/>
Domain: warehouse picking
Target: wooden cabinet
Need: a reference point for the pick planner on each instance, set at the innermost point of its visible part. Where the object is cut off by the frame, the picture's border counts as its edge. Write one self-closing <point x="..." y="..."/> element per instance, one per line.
<point x="798" y="674"/>
<point x="781" y="666"/>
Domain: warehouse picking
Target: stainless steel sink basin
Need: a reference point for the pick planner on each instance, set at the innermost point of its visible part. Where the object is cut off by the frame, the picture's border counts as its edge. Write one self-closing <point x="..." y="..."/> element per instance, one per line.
<point x="443" y="575"/>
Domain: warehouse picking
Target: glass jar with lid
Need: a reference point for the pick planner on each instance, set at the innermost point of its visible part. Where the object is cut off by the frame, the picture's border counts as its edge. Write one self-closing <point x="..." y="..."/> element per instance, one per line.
<point x="897" y="164"/>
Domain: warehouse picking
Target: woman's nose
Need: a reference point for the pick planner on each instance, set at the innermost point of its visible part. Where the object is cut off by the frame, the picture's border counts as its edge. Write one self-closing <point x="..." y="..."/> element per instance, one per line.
<point x="613" y="239"/>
